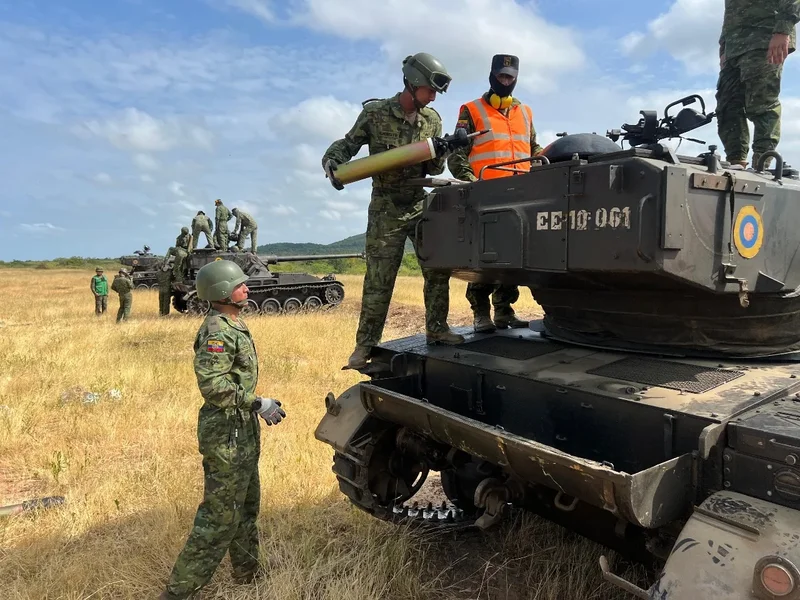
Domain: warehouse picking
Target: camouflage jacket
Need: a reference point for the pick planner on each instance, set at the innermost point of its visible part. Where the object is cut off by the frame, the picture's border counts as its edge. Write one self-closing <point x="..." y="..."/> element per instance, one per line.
<point x="749" y="24"/>
<point x="122" y="285"/>
<point x="200" y="221"/>
<point x="182" y="241"/>
<point x="458" y="161"/>
<point x="382" y="126"/>
<point x="245" y="220"/>
<point x="222" y="216"/>
<point x="225" y="362"/>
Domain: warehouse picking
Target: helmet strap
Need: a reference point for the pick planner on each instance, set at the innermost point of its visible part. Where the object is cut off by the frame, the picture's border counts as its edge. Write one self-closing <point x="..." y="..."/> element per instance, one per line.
<point x="413" y="91"/>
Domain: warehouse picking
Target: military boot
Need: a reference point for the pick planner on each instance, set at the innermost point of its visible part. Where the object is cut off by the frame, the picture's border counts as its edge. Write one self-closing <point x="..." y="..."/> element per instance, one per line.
<point x="511" y="321"/>
<point x="483" y="324"/>
<point x="358" y="359"/>
<point x="444" y="337"/>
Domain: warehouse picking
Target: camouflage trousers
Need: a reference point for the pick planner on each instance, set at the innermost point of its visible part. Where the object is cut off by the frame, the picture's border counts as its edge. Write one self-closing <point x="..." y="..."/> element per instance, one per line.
<point x="230" y="443"/>
<point x="222" y="237"/>
<point x="179" y="264"/>
<point x="245" y="231"/>
<point x="388" y="227"/>
<point x="125" y="303"/>
<point x="196" y="231"/>
<point x="503" y="296"/>
<point x="164" y="292"/>
<point x="748" y="88"/>
<point x="100" y="304"/>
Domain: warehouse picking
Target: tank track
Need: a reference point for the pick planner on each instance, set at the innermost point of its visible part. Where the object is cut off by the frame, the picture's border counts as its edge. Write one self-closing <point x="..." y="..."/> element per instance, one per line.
<point x="352" y="473"/>
<point x="274" y="291"/>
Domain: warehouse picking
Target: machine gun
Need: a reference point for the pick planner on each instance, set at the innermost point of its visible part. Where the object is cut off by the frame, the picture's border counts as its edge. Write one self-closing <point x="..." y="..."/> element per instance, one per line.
<point x="649" y="130"/>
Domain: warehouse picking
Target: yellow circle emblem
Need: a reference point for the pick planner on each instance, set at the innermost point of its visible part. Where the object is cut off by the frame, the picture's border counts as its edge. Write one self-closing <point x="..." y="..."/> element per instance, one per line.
<point x="218" y="258"/>
<point x="748" y="231"/>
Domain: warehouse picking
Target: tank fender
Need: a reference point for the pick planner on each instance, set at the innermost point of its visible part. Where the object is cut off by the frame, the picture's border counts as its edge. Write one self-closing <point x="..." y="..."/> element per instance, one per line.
<point x="344" y="416"/>
<point x="734" y="547"/>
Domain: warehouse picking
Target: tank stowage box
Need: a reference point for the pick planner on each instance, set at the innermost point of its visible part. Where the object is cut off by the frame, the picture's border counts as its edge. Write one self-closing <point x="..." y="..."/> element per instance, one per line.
<point x="656" y="406"/>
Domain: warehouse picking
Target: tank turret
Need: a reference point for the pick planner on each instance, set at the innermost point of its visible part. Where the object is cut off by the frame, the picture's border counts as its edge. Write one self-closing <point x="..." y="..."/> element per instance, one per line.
<point x="270" y="292"/>
<point x="143" y="267"/>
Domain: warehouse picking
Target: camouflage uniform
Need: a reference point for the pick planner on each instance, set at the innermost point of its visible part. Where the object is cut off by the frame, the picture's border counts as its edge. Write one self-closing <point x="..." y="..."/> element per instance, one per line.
<point x="748" y="86"/>
<point x="394" y="210"/>
<point x="245" y="225"/>
<point x="201" y="224"/>
<point x="221" y="218"/>
<point x="229" y="436"/>
<point x="503" y="296"/>
<point x="164" y="277"/>
<point x="99" y="287"/>
<point x="182" y="243"/>
<point x="123" y="285"/>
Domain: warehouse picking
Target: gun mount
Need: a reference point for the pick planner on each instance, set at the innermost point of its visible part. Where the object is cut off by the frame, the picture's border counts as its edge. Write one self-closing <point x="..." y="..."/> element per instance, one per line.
<point x="270" y="292"/>
<point x="653" y="409"/>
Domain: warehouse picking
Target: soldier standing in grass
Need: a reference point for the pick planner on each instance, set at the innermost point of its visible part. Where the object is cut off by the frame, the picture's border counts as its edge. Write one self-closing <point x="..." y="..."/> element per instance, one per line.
<point x="228" y="431"/>
<point x="99" y="287"/>
<point x="756" y="39"/>
<point x="123" y="285"/>
<point x="164" y="276"/>
<point x="396" y="207"/>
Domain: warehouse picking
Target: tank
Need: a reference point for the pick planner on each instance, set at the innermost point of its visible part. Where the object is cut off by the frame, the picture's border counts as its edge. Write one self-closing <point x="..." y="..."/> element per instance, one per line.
<point x="655" y="408"/>
<point x="143" y="267"/>
<point x="270" y="293"/>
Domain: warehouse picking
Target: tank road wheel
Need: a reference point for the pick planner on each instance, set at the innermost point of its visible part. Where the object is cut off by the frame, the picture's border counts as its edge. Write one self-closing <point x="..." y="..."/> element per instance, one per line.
<point x="142" y="286"/>
<point x="334" y="294"/>
<point x="198" y="307"/>
<point x="154" y="286"/>
<point x="459" y="486"/>
<point x="312" y="303"/>
<point x="292" y="306"/>
<point x="250" y="309"/>
<point x="270" y="306"/>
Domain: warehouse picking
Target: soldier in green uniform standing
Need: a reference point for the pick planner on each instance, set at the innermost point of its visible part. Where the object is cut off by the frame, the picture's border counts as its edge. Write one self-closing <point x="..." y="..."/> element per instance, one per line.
<point x="245" y="225"/>
<point x="182" y="243"/>
<point x="395" y="206"/>
<point x="201" y="224"/>
<point x="755" y="41"/>
<point x="228" y="431"/>
<point x="123" y="285"/>
<point x="221" y="218"/>
<point x="99" y="287"/>
<point x="164" y="277"/>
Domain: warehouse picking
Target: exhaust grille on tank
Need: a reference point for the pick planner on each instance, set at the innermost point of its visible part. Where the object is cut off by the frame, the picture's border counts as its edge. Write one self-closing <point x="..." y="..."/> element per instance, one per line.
<point x="667" y="374"/>
<point x="513" y="348"/>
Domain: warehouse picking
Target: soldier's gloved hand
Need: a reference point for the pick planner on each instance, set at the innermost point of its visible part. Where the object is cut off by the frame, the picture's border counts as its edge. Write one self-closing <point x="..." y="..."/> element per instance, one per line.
<point x="450" y="142"/>
<point x="268" y="409"/>
<point x="330" y="166"/>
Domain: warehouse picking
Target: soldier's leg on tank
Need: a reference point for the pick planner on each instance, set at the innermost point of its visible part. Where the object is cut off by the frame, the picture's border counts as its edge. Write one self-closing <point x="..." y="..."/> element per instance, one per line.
<point x="502" y="299"/>
<point x="215" y="523"/>
<point x="385" y="241"/>
<point x="224" y="239"/>
<point x="731" y="117"/>
<point x="253" y="240"/>
<point x="178" y="265"/>
<point x="195" y="237"/>
<point x="478" y="296"/>
<point x="762" y="87"/>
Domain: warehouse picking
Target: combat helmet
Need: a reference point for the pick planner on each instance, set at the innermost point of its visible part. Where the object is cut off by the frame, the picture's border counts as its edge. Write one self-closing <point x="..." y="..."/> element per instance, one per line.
<point x="423" y="69"/>
<point x="217" y="280"/>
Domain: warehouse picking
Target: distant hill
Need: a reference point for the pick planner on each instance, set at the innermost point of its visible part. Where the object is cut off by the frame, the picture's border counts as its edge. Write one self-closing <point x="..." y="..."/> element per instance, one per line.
<point x="354" y="243"/>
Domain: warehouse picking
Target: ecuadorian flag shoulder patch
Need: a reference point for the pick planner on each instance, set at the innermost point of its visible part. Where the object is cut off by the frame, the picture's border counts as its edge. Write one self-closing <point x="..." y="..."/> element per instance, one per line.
<point x="215" y="346"/>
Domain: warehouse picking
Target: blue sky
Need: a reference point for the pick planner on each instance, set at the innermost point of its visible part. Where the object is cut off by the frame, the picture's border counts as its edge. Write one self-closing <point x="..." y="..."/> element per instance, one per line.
<point x="122" y="119"/>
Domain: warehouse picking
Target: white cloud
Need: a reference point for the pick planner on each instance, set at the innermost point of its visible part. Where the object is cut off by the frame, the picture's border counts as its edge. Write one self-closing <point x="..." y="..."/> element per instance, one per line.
<point x="689" y="31"/>
<point x="102" y="178"/>
<point x="545" y="50"/>
<point x="139" y="131"/>
<point x="40" y="227"/>
<point x="177" y="189"/>
<point x="145" y="162"/>
<point x="283" y="209"/>
<point x="331" y="215"/>
<point x="319" y="117"/>
<point x="257" y="8"/>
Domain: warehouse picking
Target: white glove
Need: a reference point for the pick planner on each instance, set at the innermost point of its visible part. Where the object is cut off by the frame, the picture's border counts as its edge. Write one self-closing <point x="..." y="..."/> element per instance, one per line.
<point x="268" y="409"/>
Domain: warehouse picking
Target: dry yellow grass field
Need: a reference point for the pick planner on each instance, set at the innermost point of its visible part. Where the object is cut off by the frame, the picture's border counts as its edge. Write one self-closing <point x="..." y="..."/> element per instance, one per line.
<point x="132" y="478"/>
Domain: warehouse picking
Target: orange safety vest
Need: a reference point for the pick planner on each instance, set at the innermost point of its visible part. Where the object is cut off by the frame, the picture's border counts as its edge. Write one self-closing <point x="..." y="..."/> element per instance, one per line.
<point x="509" y="138"/>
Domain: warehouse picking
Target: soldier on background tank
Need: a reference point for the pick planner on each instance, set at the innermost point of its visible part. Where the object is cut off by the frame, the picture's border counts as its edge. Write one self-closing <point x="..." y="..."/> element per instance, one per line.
<point x="201" y="224"/>
<point x="245" y="225"/>
<point x="145" y="252"/>
<point x="182" y="243"/>
<point x="221" y="217"/>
